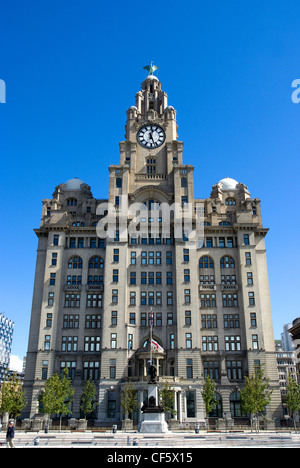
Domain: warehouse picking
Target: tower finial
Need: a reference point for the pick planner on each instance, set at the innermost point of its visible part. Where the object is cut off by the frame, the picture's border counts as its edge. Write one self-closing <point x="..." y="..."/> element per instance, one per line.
<point x="151" y="68"/>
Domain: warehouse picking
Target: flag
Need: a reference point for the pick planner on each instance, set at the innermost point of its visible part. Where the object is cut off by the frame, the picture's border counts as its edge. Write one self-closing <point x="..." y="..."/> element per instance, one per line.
<point x="151" y="319"/>
<point x="155" y="345"/>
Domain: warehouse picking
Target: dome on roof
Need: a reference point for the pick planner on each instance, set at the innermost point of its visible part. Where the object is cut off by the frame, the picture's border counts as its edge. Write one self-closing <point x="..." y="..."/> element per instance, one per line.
<point x="74" y="184"/>
<point x="228" y="183"/>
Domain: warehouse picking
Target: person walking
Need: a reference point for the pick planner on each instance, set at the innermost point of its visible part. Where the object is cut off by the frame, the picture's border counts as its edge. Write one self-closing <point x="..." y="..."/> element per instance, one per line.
<point x="10" y="435"/>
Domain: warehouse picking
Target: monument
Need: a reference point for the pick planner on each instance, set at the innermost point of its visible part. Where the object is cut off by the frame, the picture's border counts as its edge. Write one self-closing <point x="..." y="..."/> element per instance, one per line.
<point x="153" y="417"/>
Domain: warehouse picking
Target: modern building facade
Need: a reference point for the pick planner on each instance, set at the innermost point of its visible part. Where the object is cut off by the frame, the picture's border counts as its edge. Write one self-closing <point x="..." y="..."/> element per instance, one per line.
<point x="295" y="334"/>
<point x="152" y="263"/>
<point x="6" y="334"/>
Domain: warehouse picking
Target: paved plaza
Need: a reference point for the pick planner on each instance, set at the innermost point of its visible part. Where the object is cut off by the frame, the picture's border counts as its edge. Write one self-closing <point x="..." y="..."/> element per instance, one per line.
<point x="122" y="440"/>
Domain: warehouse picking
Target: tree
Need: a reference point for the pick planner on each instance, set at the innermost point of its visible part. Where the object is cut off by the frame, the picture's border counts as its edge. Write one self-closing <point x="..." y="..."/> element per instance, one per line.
<point x="293" y="397"/>
<point x="167" y="398"/>
<point x="129" y="401"/>
<point x="12" y="397"/>
<point x="88" y="398"/>
<point x="256" y="395"/>
<point x="209" y="396"/>
<point x="58" y="395"/>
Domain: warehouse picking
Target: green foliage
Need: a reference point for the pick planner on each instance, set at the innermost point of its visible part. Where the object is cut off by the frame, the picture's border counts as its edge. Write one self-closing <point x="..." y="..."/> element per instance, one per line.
<point x="256" y="395"/>
<point x="129" y="401"/>
<point x="208" y="395"/>
<point x="58" y="395"/>
<point x="88" y="398"/>
<point x="293" y="396"/>
<point x="167" y="398"/>
<point x="12" y="398"/>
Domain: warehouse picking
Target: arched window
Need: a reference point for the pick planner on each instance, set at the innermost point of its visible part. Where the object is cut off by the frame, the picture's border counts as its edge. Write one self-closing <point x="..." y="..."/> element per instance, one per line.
<point x="74" y="263"/>
<point x="230" y="201"/>
<point x="206" y="262"/>
<point x="227" y="262"/>
<point x="96" y="263"/>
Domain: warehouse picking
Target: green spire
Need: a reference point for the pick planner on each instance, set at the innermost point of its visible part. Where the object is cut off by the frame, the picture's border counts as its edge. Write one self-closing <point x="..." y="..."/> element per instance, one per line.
<point x="151" y="68"/>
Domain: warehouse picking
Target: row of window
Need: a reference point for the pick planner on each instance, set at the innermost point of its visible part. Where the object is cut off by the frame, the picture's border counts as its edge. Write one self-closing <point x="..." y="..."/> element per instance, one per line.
<point x="151" y="298"/>
<point x="208" y="321"/>
<point x="209" y="343"/>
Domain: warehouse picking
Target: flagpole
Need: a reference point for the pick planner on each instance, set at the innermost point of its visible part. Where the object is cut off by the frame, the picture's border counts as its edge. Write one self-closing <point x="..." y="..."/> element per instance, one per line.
<point x="151" y="333"/>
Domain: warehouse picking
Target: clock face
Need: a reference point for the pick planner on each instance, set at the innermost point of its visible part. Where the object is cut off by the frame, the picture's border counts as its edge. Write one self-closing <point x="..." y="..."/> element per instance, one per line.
<point x="151" y="136"/>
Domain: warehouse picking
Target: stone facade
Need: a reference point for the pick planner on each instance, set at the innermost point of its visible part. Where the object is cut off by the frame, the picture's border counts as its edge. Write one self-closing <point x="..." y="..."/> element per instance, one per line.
<point x="198" y="265"/>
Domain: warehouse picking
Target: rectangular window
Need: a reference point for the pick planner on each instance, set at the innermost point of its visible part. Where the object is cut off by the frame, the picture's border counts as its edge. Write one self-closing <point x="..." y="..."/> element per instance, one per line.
<point x="54" y="259"/>
<point x="143" y="320"/>
<point x="170" y="318"/>
<point x="50" y="299"/>
<point x="92" y="343"/>
<point x="91" y="370"/>
<point x="187" y="296"/>
<point x="231" y="321"/>
<point x="188" y="317"/>
<point x="143" y="298"/>
<point x="132" y="298"/>
<point x="209" y="321"/>
<point x="114" y="317"/>
<point x="112" y="369"/>
<point x="246" y="239"/>
<point x="233" y="343"/>
<point x="169" y="258"/>
<point x="249" y="278"/>
<point x="132" y="277"/>
<point x="169" y="298"/>
<point x="230" y="300"/>
<point x="248" y="258"/>
<point x="172" y="341"/>
<point x="133" y="258"/>
<point x="208" y="300"/>
<point x="253" y="320"/>
<point x="130" y="341"/>
<point x="93" y="321"/>
<point x="186" y="255"/>
<point x="94" y="300"/>
<point x="188" y="341"/>
<point x="113" y="341"/>
<point x="210" y="343"/>
<point x="132" y="318"/>
<point x="47" y="342"/>
<point x="116" y="256"/>
<point x="211" y="369"/>
<point x="115" y="277"/>
<point x="49" y="321"/>
<point x="72" y="300"/>
<point x="71" y="321"/>
<point x="251" y="298"/>
<point x="189" y="368"/>
<point x="186" y="276"/>
<point x="55" y="239"/>
<point x="255" y="341"/>
<point x="114" y="297"/>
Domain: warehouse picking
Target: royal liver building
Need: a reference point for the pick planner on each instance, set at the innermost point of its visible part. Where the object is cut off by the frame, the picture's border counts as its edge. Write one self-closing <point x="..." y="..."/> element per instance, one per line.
<point x="152" y="272"/>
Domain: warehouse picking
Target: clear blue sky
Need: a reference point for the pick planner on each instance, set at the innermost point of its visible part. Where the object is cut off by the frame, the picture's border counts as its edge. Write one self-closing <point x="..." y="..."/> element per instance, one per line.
<point x="72" y="69"/>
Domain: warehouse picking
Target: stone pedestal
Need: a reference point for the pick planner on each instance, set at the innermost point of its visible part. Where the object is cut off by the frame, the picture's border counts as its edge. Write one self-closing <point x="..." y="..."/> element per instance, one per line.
<point x="153" y="417"/>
